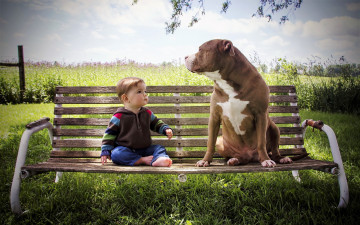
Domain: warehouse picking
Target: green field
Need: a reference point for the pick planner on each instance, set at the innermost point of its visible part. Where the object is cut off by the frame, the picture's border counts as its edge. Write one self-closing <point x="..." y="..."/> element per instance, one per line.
<point x="267" y="198"/>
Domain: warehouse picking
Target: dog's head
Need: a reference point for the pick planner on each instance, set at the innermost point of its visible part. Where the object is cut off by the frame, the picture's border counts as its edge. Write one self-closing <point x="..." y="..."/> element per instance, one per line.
<point x="212" y="56"/>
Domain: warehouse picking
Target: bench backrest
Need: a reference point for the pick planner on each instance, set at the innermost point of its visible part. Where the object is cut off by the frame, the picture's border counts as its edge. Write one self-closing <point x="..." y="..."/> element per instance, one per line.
<point x="83" y="113"/>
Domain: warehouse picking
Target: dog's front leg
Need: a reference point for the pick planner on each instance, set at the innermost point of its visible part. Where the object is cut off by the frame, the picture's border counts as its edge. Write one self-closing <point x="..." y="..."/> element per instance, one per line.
<point x="213" y="131"/>
<point x="261" y="127"/>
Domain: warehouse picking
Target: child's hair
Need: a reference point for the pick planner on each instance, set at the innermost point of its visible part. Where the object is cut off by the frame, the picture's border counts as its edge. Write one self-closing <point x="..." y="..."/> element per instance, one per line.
<point x="125" y="84"/>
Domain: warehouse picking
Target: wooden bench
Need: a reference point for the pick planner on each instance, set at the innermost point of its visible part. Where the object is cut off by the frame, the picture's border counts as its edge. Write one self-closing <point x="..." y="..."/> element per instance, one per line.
<point x="83" y="113"/>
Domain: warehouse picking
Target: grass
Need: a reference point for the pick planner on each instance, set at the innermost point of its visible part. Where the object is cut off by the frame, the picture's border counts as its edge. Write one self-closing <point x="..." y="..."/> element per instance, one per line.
<point x="258" y="198"/>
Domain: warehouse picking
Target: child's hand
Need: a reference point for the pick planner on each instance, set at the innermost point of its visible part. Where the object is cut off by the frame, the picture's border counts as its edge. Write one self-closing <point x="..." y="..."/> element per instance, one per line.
<point x="169" y="133"/>
<point x="104" y="159"/>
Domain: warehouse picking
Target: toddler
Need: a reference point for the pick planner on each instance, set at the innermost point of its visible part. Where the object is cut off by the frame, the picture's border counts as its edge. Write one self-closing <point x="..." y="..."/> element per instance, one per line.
<point x="127" y="139"/>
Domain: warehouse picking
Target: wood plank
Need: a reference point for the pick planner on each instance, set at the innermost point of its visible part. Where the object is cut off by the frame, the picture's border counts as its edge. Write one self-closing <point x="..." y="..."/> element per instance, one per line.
<point x="283" y="98"/>
<point x="283" y="109"/>
<point x="157" y="89"/>
<point x="115" y="100"/>
<point x="159" y="110"/>
<point x="105" y="121"/>
<point x="282" y="89"/>
<point x="180" y="168"/>
<point x="111" y="110"/>
<point x="285" y="119"/>
<point x="172" y="154"/>
<point x="176" y="131"/>
<point x="96" y="143"/>
<point x="149" y="89"/>
<point x="157" y="99"/>
<point x="185" y="142"/>
<point x="170" y="121"/>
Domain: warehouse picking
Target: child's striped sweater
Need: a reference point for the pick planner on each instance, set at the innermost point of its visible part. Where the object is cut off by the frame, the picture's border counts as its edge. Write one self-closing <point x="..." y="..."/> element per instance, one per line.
<point x="131" y="130"/>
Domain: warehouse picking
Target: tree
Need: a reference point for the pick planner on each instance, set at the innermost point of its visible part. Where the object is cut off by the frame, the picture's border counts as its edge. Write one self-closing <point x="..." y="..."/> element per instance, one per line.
<point x="180" y="6"/>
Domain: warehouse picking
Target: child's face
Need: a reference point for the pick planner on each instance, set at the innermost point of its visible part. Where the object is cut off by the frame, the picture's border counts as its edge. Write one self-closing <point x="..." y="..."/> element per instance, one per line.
<point x="137" y="96"/>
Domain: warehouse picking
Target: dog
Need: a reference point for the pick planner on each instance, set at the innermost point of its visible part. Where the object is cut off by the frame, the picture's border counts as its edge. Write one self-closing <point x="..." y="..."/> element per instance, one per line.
<point x="240" y="103"/>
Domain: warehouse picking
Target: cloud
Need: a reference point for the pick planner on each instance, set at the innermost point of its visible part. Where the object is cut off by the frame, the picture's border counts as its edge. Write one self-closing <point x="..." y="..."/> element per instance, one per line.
<point x="353" y="7"/>
<point x="218" y="23"/>
<point x="98" y="50"/>
<point x="3" y="21"/>
<point x="53" y="37"/>
<point x="275" y="41"/>
<point x="120" y="13"/>
<point x="126" y="30"/>
<point x="336" y="26"/>
<point x="333" y="44"/>
<point x="291" y="29"/>
<point x="97" y="35"/>
<point x="19" y="35"/>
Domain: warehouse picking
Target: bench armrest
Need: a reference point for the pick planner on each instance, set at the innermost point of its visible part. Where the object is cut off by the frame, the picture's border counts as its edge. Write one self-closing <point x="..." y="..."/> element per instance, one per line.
<point x="37" y="122"/>
<point x="344" y="190"/>
<point x="21" y="157"/>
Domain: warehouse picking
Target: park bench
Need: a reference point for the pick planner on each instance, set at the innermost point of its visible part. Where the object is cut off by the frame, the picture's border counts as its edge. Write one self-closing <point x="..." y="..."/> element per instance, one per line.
<point x="83" y="113"/>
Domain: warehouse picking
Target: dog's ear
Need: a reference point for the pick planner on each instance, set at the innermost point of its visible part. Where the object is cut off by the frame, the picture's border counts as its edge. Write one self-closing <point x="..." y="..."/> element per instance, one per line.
<point x="229" y="48"/>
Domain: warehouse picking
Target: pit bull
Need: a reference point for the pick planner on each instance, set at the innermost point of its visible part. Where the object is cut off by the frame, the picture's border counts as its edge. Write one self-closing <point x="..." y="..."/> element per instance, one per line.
<point x="240" y="103"/>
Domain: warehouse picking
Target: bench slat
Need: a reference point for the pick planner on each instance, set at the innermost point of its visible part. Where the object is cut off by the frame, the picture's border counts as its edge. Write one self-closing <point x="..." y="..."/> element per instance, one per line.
<point x="170" y="121"/>
<point x="159" y="110"/>
<point x="188" y="142"/>
<point x="158" y="99"/>
<point x="180" y="168"/>
<point x="149" y="89"/>
<point x="172" y="154"/>
<point x="158" y="89"/>
<point x="115" y="100"/>
<point x="177" y="132"/>
<point x="105" y="122"/>
<point x="111" y="110"/>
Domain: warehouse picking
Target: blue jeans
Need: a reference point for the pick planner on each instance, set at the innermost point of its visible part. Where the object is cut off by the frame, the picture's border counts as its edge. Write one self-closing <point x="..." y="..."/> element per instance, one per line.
<point x="125" y="156"/>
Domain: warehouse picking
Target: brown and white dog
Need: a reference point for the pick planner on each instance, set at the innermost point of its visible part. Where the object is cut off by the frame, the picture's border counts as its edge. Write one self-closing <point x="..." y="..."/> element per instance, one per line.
<point x="240" y="102"/>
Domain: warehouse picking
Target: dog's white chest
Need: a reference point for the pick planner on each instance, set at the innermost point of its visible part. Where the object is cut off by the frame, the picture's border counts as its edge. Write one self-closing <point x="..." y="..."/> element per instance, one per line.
<point x="234" y="106"/>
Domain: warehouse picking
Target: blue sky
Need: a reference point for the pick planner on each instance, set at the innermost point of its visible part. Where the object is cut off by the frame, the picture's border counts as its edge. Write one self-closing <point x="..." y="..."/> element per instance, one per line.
<point x="75" y="31"/>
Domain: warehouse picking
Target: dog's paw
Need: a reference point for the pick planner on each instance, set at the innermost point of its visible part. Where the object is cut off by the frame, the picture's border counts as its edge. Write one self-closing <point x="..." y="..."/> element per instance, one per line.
<point x="202" y="163"/>
<point x="285" y="160"/>
<point x="268" y="163"/>
<point x="233" y="162"/>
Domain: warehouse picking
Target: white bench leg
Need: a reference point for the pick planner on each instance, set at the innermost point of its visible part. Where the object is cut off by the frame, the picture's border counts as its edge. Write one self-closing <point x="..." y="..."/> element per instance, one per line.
<point x="344" y="190"/>
<point x="20" y="161"/>
<point x="296" y="175"/>
<point x="58" y="176"/>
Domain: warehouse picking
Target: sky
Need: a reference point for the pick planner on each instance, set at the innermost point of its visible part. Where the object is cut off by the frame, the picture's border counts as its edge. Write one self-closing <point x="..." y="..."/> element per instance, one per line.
<point x="77" y="31"/>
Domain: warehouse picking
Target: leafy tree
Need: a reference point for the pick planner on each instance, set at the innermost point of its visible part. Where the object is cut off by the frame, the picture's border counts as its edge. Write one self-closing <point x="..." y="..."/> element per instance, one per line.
<point x="180" y="6"/>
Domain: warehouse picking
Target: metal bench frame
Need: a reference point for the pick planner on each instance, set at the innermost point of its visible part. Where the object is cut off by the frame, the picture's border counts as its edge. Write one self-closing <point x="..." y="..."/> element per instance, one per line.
<point x="184" y="100"/>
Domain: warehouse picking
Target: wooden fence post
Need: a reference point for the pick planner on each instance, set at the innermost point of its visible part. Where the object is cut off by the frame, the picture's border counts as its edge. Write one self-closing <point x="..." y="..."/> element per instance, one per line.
<point x="21" y="66"/>
<point x="21" y="71"/>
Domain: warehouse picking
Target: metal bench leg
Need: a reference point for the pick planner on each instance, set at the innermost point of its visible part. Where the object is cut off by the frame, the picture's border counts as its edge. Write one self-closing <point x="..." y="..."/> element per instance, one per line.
<point x="20" y="161"/>
<point x="58" y="176"/>
<point x="296" y="175"/>
<point x="344" y="190"/>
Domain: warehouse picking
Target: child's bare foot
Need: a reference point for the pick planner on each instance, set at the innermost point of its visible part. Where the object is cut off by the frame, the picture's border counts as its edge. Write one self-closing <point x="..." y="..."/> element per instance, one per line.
<point x="163" y="161"/>
<point x="144" y="160"/>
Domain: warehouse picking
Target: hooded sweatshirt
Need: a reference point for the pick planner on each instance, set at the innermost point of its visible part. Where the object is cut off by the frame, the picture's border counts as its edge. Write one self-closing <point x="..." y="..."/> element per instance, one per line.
<point x="131" y="130"/>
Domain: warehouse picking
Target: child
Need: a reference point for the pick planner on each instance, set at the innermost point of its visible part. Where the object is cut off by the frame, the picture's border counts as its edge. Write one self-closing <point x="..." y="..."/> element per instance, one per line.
<point x="127" y="139"/>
